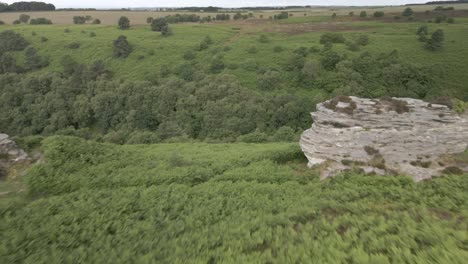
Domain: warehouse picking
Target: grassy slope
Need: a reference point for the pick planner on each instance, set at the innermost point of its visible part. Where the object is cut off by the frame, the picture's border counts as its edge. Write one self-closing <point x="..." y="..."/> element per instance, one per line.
<point x="385" y="37"/>
<point x="235" y="203"/>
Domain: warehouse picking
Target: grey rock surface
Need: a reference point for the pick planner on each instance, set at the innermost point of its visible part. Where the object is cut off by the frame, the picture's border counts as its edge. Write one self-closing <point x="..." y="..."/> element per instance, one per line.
<point x="10" y="153"/>
<point x="392" y="135"/>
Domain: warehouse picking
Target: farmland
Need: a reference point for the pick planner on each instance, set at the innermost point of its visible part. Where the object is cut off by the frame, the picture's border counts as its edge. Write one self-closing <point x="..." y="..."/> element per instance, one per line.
<point x="176" y="143"/>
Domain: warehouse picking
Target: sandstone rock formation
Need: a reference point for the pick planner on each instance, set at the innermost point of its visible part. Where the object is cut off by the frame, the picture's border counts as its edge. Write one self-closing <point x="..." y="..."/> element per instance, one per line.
<point x="10" y="154"/>
<point x="384" y="136"/>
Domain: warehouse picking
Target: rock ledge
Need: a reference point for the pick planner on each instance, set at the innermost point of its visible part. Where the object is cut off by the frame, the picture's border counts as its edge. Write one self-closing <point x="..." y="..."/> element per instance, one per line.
<point x="384" y="136"/>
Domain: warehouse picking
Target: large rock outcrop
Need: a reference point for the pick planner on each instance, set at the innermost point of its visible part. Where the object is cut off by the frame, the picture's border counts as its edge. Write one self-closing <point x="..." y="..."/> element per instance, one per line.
<point x="382" y="136"/>
<point x="10" y="154"/>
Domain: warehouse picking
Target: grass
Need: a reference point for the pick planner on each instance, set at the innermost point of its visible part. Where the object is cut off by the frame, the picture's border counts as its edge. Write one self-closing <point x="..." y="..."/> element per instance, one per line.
<point x="92" y="202"/>
<point x="384" y="37"/>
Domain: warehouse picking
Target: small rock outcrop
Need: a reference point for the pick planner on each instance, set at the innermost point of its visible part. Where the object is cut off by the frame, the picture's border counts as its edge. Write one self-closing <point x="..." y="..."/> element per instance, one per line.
<point x="383" y="136"/>
<point x="10" y="154"/>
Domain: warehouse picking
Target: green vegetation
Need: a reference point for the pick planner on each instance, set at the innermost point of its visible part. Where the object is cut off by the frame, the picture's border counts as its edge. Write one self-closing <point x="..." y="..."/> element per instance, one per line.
<point x="224" y="203"/>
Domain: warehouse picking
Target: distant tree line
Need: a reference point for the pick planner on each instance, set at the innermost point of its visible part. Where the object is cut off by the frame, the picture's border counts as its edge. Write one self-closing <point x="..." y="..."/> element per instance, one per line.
<point x="26" y="6"/>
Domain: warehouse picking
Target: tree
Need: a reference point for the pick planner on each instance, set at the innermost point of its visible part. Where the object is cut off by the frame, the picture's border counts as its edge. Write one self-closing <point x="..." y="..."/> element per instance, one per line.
<point x="422" y="33"/>
<point x="121" y="47"/>
<point x="33" y="60"/>
<point x="79" y="20"/>
<point x="362" y="40"/>
<point x="269" y="80"/>
<point x="8" y="64"/>
<point x="407" y="12"/>
<point x="68" y="64"/>
<point x="11" y="41"/>
<point x="330" y="59"/>
<point x="161" y="25"/>
<point x="379" y="14"/>
<point x="24" y="18"/>
<point x="351" y="14"/>
<point x="217" y="64"/>
<point x="158" y="24"/>
<point x="435" y="43"/>
<point x="124" y="23"/>
<point x="363" y="14"/>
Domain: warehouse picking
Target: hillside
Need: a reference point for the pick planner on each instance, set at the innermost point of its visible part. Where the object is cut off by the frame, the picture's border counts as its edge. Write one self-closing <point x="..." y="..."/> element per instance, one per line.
<point x="224" y="203"/>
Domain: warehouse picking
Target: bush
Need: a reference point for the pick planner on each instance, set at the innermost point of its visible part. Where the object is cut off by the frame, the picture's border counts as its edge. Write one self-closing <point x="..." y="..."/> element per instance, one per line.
<point x="407" y="12"/>
<point x="92" y="34"/>
<point x="96" y="21"/>
<point x="278" y="49"/>
<point x="44" y="39"/>
<point x="79" y="20"/>
<point x="352" y="46"/>
<point x="435" y="43"/>
<point x="40" y="21"/>
<point x="158" y="24"/>
<point x="23" y="18"/>
<point x="11" y="41"/>
<point x="1" y="22"/>
<point x="124" y="23"/>
<point x="121" y="47"/>
<point x="263" y="39"/>
<point x="330" y="60"/>
<point x="363" y="14"/>
<point x="33" y="60"/>
<point x="332" y="38"/>
<point x="189" y="55"/>
<point x="74" y="45"/>
<point x="149" y="20"/>
<point x="362" y="40"/>
<point x="269" y="80"/>
<point x="143" y="137"/>
<point x="450" y="20"/>
<point x="284" y="134"/>
<point x="217" y="64"/>
<point x="252" y="49"/>
<point x="379" y="14"/>
<point x="8" y="64"/>
<point x="255" y="137"/>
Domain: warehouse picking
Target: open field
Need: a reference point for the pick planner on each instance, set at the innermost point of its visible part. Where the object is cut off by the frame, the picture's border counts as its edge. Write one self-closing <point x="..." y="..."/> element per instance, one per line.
<point x="234" y="39"/>
<point x="139" y="17"/>
<point x="237" y="203"/>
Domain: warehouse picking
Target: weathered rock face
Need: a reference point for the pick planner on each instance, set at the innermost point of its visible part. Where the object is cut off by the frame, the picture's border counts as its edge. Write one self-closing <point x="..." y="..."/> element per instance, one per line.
<point x="10" y="153"/>
<point x="383" y="136"/>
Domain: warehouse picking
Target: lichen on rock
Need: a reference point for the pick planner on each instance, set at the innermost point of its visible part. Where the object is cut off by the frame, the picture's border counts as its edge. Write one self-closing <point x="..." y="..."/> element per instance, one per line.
<point x="384" y="136"/>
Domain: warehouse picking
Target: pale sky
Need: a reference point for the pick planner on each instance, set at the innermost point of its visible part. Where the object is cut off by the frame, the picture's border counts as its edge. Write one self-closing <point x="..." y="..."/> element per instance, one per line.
<point x="219" y="3"/>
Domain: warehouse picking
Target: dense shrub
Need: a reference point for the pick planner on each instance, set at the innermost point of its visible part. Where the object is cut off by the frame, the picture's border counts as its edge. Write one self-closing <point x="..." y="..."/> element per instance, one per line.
<point x="330" y="60"/>
<point x="96" y="21"/>
<point x="121" y="47"/>
<point x="332" y="38"/>
<point x="74" y="45"/>
<point x="407" y="12"/>
<point x="269" y="80"/>
<point x="362" y="40"/>
<point x="435" y="43"/>
<point x="33" y="61"/>
<point x="263" y="39"/>
<point x="11" y="41"/>
<point x="40" y="21"/>
<point x="124" y="23"/>
<point x="363" y="14"/>
<point x="23" y="18"/>
<point x="379" y="14"/>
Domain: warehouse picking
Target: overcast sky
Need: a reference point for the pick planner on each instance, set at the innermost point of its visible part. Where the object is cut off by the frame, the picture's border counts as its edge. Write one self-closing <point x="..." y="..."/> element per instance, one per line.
<point x="220" y="3"/>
